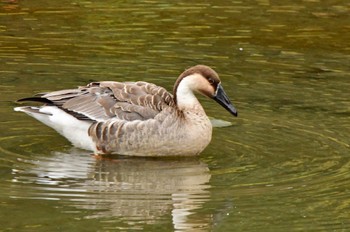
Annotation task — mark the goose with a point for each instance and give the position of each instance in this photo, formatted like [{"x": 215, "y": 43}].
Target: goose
[{"x": 134, "y": 118}]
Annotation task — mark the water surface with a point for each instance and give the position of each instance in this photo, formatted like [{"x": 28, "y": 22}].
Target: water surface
[{"x": 282, "y": 165}]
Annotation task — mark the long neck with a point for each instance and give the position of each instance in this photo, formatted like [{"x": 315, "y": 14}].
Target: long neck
[{"x": 184, "y": 96}]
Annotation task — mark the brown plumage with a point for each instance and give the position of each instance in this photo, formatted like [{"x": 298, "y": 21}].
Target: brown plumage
[{"x": 134, "y": 118}]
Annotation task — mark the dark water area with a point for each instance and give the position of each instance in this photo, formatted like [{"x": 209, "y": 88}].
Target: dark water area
[{"x": 282, "y": 165}]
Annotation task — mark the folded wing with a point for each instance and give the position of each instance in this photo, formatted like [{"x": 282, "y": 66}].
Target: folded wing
[{"x": 101, "y": 101}]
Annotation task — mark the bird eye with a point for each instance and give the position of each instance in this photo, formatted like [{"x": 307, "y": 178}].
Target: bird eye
[{"x": 211, "y": 81}]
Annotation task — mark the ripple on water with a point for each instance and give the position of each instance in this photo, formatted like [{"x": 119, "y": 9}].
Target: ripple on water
[{"x": 281, "y": 166}]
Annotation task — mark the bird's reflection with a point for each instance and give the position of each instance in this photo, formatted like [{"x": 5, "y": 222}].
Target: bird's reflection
[{"x": 135, "y": 190}]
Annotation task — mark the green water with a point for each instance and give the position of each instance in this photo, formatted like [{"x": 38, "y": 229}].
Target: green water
[{"x": 282, "y": 166}]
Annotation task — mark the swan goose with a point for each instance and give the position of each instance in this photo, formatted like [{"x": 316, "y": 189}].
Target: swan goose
[{"x": 134, "y": 118}]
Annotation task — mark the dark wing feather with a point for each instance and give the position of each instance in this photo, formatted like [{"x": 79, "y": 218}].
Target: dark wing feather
[{"x": 101, "y": 101}]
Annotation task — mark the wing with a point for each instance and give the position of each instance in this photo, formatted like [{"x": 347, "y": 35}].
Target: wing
[{"x": 101, "y": 101}]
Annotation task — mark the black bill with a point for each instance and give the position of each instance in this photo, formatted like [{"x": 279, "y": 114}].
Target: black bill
[{"x": 222, "y": 99}]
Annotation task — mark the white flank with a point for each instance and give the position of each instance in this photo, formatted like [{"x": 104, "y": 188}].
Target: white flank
[{"x": 76, "y": 131}]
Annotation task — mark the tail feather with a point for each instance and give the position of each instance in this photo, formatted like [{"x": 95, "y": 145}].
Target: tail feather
[
  {"x": 30, "y": 110},
  {"x": 35, "y": 99}
]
